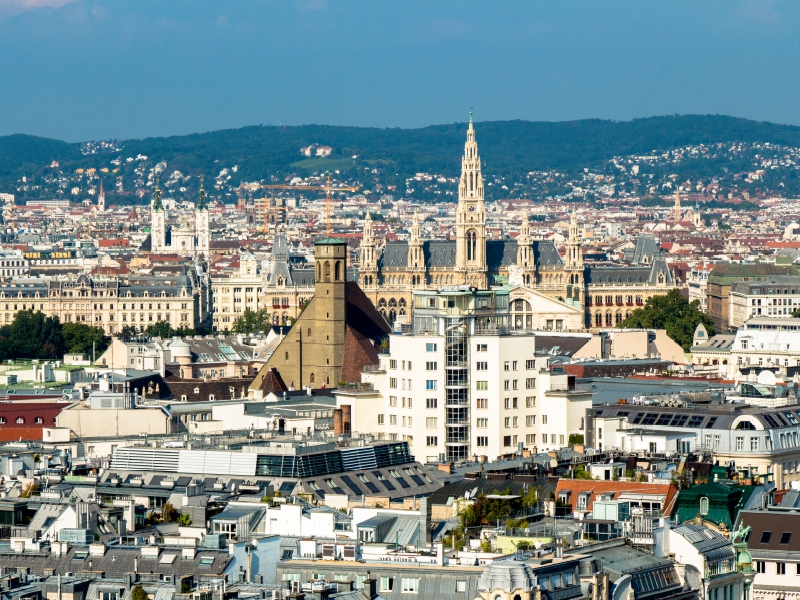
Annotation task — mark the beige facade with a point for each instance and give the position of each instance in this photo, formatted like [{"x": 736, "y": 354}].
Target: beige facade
[
  {"x": 110, "y": 303},
  {"x": 87, "y": 423}
]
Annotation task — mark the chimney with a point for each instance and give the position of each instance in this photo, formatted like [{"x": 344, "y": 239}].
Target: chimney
[
  {"x": 370, "y": 589},
  {"x": 338, "y": 427},
  {"x": 424, "y": 524}
]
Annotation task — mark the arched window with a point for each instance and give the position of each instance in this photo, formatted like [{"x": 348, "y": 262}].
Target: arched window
[
  {"x": 319, "y": 272},
  {"x": 472, "y": 244},
  {"x": 327, "y": 271},
  {"x": 287, "y": 356},
  {"x": 704, "y": 506},
  {"x": 337, "y": 268},
  {"x": 20, "y": 420},
  {"x": 38, "y": 420},
  {"x": 311, "y": 378},
  {"x": 308, "y": 333}
]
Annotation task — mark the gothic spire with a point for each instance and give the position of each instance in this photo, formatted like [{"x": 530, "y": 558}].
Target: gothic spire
[{"x": 415, "y": 229}]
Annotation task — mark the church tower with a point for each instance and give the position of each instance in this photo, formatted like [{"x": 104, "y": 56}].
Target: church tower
[
  {"x": 158, "y": 221},
  {"x": 471, "y": 217},
  {"x": 416, "y": 256},
  {"x": 101, "y": 199},
  {"x": 677, "y": 209},
  {"x": 574, "y": 259},
  {"x": 201, "y": 225},
  {"x": 368, "y": 269},
  {"x": 525, "y": 258}
]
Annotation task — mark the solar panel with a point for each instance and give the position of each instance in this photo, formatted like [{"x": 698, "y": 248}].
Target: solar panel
[
  {"x": 349, "y": 483},
  {"x": 417, "y": 479}
]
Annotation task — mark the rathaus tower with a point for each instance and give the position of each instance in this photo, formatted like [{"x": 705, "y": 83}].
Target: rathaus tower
[{"x": 471, "y": 217}]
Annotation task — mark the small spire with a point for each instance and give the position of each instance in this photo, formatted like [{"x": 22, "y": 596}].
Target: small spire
[
  {"x": 202, "y": 204},
  {"x": 470, "y": 115},
  {"x": 157, "y": 197}
]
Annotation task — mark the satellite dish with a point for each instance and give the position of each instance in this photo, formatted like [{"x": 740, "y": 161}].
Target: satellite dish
[
  {"x": 473, "y": 493},
  {"x": 537, "y": 544}
]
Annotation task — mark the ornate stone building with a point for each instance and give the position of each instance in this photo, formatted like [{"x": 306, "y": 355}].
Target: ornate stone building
[
  {"x": 188, "y": 238},
  {"x": 570, "y": 293},
  {"x": 112, "y": 304}
]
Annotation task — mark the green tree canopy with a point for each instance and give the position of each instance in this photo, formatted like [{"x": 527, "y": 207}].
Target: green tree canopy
[
  {"x": 33, "y": 335},
  {"x": 251, "y": 321},
  {"x": 138, "y": 593},
  {"x": 164, "y": 329},
  {"x": 78, "y": 337},
  {"x": 673, "y": 313}
]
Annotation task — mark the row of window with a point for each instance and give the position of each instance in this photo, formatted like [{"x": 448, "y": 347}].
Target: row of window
[
  {"x": 21, "y": 420},
  {"x": 780, "y": 568}
]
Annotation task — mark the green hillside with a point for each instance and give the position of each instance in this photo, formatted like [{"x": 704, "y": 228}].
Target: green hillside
[{"x": 508, "y": 148}]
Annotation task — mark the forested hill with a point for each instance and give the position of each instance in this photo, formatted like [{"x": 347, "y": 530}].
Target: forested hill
[{"x": 508, "y": 148}]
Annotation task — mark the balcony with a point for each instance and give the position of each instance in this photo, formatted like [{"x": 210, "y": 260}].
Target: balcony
[{"x": 457, "y": 421}]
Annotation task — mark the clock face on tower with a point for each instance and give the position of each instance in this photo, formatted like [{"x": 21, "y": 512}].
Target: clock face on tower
[{"x": 471, "y": 208}]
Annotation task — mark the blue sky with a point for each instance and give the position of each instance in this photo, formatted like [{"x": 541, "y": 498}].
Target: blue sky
[{"x": 102, "y": 69}]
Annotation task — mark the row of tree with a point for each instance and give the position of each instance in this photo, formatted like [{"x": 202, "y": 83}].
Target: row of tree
[{"x": 32, "y": 334}]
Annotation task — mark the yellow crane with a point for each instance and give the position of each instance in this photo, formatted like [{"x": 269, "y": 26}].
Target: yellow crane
[{"x": 327, "y": 188}]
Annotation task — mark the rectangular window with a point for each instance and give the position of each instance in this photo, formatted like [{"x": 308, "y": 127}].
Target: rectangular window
[
  {"x": 430, "y": 422},
  {"x": 761, "y": 566},
  {"x": 481, "y": 366},
  {"x": 392, "y": 400},
  {"x": 481, "y": 385},
  {"x": 482, "y": 403},
  {"x": 530, "y": 364},
  {"x": 461, "y": 585},
  {"x": 530, "y": 402},
  {"x": 430, "y": 366},
  {"x": 530, "y": 383},
  {"x": 530, "y": 420},
  {"x": 430, "y": 384},
  {"x": 514, "y": 365},
  {"x": 387, "y": 584},
  {"x": 431, "y": 402},
  {"x": 780, "y": 568},
  {"x": 530, "y": 438},
  {"x": 381, "y": 419},
  {"x": 409, "y": 585},
  {"x": 481, "y": 348},
  {"x": 740, "y": 443},
  {"x": 392, "y": 364},
  {"x": 544, "y": 419},
  {"x": 508, "y": 422},
  {"x": 483, "y": 441},
  {"x": 507, "y": 384},
  {"x": 482, "y": 423},
  {"x": 508, "y": 403},
  {"x": 753, "y": 444},
  {"x": 393, "y": 382},
  {"x": 507, "y": 366},
  {"x": 515, "y": 384},
  {"x": 430, "y": 347},
  {"x": 515, "y": 422},
  {"x": 561, "y": 439},
  {"x": 506, "y": 440},
  {"x": 392, "y": 419},
  {"x": 432, "y": 440}
]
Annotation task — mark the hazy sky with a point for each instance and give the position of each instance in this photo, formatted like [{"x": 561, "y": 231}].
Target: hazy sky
[{"x": 107, "y": 69}]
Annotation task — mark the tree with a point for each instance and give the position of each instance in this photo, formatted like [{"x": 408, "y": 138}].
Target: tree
[
  {"x": 251, "y": 321},
  {"x": 671, "y": 312},
  {"x": 185, "y": 520},
  {"x": 168, "y": 513},
  {"x": 33, "y": 335},
  {"x": 78, "y": 337},
  {"x": 164, "y": 329},
  {"x": 138, "y": 593}
]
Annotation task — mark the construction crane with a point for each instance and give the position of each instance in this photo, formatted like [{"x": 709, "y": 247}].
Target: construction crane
[{"x": 327, "y": 188}]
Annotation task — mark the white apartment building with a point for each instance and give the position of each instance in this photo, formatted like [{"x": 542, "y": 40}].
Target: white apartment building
[
  {"x": 697, "y": 282},
  {"x": 459, "y": 383},
  {"x": 776, "y": 296},
  {"x": 766, "y": 342}
]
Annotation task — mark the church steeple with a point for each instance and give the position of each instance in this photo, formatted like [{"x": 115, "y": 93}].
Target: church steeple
[
  {"x": 368, "y": 269},
  {"x": 471, "y": 216},
  {"x": 416, "y": 256},
  {"x": 574, "y": 254},
  {"x": 157, "y": 205},
  {"x": 202, "y": 203},
  {"x": 524, "y": 253}
]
